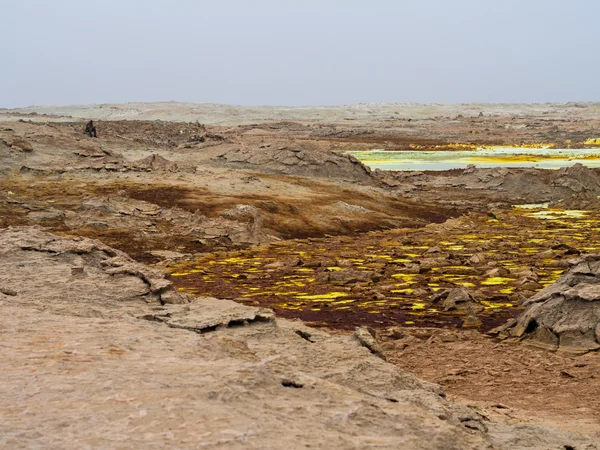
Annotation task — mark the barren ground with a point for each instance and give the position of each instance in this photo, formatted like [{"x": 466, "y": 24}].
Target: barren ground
[{"x": 260, "y": 206}]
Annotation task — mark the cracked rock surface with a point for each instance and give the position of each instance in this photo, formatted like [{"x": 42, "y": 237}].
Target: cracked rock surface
[{"x": 93, "y": 355}]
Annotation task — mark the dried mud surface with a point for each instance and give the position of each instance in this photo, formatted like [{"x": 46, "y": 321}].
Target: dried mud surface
[{"x": 261, "y": 207}]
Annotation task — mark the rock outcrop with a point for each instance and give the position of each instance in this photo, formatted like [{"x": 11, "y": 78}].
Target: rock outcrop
[
  {"x": 298, "y": 160},
  {"x": 566, "y": 314}
]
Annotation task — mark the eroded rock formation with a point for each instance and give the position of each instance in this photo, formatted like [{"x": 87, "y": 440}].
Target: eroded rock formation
[{"x": 566, "y": 314}]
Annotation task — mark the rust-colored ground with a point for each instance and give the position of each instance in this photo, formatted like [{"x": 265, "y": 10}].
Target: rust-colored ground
[{"x": 504, "y": 379}]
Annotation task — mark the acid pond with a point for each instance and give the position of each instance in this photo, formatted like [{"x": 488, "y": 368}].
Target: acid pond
[
  {"x": 394, "y": 274},
  {"x": 542, "y": 158}
]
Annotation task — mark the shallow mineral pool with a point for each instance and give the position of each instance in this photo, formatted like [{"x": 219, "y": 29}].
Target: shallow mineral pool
[{"x": 543, "y": 158}]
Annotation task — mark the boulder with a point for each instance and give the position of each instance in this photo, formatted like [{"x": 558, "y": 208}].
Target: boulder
[{"x": 564, "y": 315}]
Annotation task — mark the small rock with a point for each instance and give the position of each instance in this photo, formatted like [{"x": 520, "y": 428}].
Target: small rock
[
  {"x": 8, "y": 291},
  {"x": 171, "y": 296},
  {"x": 77, "y": 271},
  {"x": 477, "y": 258},
  {"x": 21, "y": 145},
  {"x": 548, "y": 254},
  {"x": 472, "y": 321},
  {"x": 366, "y": 339},
  {"x": 497, "y": 272},
  {"x": 528, "y": 284}
]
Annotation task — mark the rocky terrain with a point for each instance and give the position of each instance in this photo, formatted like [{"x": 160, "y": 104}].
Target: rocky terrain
[
  {"x": 124, "y": 360},
  {"x": 154, "y": 279}
]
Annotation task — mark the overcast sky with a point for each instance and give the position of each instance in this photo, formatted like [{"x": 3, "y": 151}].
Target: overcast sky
[{"x": 302, "y": 52}]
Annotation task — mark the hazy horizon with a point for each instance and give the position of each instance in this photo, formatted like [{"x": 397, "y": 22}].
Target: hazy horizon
[
  {"x": 67, "y": 105},
  {"x": 266, "y": 53}
]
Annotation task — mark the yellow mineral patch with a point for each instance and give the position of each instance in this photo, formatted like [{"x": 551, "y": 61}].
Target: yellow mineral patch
[
  {"x": 494, "y": 305},
  {"x": 257, "y": 294},
  {"x": 406, "y": 276},
  {"x": 343, "y": 302},
  {"x": 327, "y": 296},
  {"x": 512, "y": 243},
  {"x": 492, "y": 281},
  {"x": 592, "y": 141}
]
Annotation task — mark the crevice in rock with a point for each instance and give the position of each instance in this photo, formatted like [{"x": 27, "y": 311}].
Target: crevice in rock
[
  {"x": 305, "y": 335},
  {"x": 292, "y": 384},
  {"x": 531, "y": 326}
]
